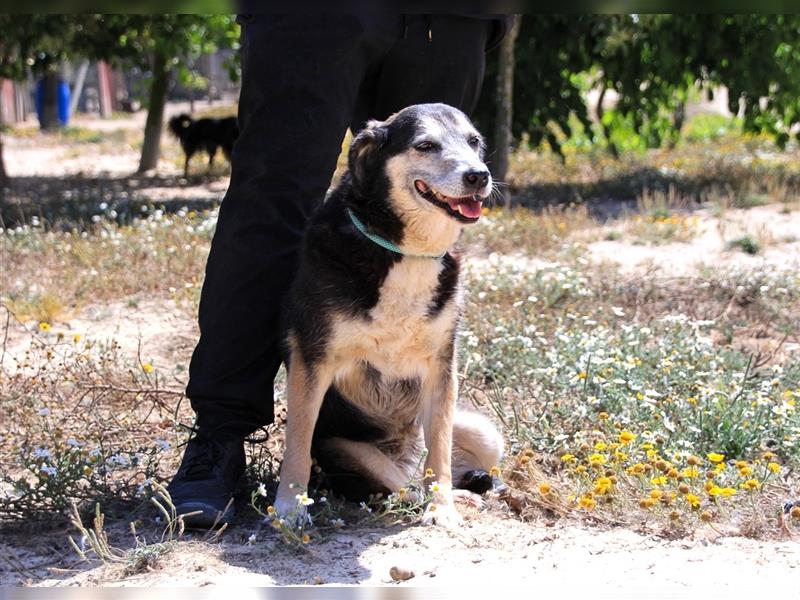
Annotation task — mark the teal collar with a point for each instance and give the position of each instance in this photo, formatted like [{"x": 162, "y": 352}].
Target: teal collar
[{"x": 384, "y": 243}]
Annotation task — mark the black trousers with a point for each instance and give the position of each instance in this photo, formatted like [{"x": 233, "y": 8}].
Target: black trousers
[{"x": 306, "y": 79}]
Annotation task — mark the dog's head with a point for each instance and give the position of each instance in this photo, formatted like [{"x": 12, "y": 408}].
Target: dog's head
[
  {"x": 425, "y": 164},
  {"x": 178, "y": 124}
]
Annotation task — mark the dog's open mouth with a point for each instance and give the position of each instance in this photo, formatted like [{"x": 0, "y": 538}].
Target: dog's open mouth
[{"x": 463, "y": 208}]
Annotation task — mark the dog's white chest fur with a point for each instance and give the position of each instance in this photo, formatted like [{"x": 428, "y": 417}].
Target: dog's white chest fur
[{"x": 401, "y": 339}]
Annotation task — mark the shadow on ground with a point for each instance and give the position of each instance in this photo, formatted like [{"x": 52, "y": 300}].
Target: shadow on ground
[{"x": 71, "y": 202}]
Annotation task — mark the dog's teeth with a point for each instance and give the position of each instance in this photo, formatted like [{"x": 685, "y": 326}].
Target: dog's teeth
[{"x": 460, "y": 208}]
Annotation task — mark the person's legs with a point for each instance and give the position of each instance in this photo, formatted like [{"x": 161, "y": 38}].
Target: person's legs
[
  {"x": 438, "y": 58},
  {"x": 301, "y": 80},
  {"x": 301, "y": 76}
]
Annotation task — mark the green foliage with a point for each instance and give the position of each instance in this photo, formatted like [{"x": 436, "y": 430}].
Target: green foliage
[{"x": 652, "y": 65}]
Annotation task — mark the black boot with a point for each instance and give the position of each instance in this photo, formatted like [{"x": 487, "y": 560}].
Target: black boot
[{"x": 211, "y": 468}]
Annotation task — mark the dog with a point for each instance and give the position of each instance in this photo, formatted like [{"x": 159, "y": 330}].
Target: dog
[
  {"x": 204, "y": 135},
  {"x": 371, "y": 320}
]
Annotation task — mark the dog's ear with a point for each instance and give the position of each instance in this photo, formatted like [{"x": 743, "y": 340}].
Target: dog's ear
[{"x": 364, "y": 150}]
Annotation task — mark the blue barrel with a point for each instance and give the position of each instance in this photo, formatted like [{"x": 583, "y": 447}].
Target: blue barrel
[{"x": 63, "y": 100}]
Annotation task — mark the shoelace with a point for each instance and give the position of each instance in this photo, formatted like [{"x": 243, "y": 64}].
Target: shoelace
[{"x": 201, "y": 465}]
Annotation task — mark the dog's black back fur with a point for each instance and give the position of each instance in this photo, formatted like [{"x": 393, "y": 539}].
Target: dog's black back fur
[{"x": 205, "y": 135}]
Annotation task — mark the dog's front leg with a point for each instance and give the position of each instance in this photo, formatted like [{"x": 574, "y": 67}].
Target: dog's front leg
[
  {"x": 305, "y": 390},
  {"x": 439, "y": 407}
]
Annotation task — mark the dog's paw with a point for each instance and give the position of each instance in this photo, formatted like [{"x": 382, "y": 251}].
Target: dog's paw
[
  {"x": 291, "y": 511},
  {"x": 443, "y": 515},
  {"x": 469, "y": 498}
]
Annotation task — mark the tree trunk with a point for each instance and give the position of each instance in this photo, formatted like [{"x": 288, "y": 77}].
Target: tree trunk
[
  {"x": 3, "y": 174},
  {"x": 151, "y": 148},
  {"x": 505, "y": 106},
  {"x": 678, "y": 118},
  {"x": 49, "y": 116}
]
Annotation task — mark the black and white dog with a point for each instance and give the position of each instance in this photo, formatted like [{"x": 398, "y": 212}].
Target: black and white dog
[
  {"x": 372, "y": 318},
  {"x": 204, "y": 135}
]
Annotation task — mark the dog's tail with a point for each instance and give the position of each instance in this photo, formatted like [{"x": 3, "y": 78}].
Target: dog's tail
[{"x": 177, "y": 125}]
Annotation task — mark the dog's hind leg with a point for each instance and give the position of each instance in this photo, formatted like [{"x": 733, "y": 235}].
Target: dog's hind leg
[
  {"x": 212, "y": 152},
  {"x": 379, "y": 472},
  {"x": 186, "y": 166},
  {"x": 477, "y": 447}
]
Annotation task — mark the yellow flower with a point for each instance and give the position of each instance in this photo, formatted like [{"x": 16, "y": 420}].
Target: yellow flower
[
  {"x": 774, "y": 467},
  {"x": 76, "y": 338},
  {"x": 690, "y": 472},
  {"x": 428, "y": 473},
  {"x": 580, "y": 469},
  {"x": 306, "y": 538},
  {"x": 44, "y": 326},
  {"x": 715, "y": 458},
  {"x": 602, "y": 486},
  {"x": 544, "y": 488},
  {"x": 626, "y": 437},
  {"x": 661, "y": 480},
  {"x": 646, "y": 446},
  {"x": 587, "y": 502},
  {"x": 147, "y": 367},
  {"x": 582, "y": 375},
  {"x": 724, "y": 492},
  {"x": 719, "y": 468},
  {"x": 647, "y": 502},
  {"x": 600, "y": 446},
  {"x": 694, "y": 501},
  {"x": 656, "y": 494},
  {"x": 270, "y": 510},
  {"x": 603, "y": 416},
  {"x": 598, "y": 459},
  {"x": 751, "y": 484},
  {"x": 435, "y": 487},
  {"x": 567, "y": 457},
  {"x": 746, "y": 471},
  {"x": 637, "y": 469},
  {"x": 494, "y": 471}
]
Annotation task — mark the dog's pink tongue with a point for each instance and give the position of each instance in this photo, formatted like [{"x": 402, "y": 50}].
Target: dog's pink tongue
[{"x": 468, "y": 207}]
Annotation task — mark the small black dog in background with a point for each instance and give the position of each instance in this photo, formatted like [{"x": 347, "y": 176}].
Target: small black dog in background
[{"x": 204, "y": 135}]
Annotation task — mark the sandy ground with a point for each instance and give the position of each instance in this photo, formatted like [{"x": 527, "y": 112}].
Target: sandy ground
[
  {"x": 778, "y": 231},
  {"x": 493, "y": 547},
  {"x": 489, "y": 550}
]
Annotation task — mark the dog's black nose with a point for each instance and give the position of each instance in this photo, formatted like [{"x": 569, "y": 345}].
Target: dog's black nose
[{"x": 476, "y": 179}]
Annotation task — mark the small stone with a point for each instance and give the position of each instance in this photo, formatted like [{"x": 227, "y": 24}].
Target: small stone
[{"x": 400, "y": 573}]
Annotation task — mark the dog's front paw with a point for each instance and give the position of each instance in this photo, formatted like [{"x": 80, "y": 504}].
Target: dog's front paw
[
  {"x": 442, "y": 514},
  {"x": 292, "y": 507}
]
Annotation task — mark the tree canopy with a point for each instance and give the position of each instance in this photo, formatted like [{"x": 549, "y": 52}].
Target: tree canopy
[{"x": 652, "y": 63}]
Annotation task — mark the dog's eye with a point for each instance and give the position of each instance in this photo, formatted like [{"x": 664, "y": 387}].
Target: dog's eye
[
  {"x": 425, "y": 146},
  {"x": 474, "y": 141}
]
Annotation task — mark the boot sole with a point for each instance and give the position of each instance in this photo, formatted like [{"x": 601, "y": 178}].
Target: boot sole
[{"x": 206, "y": 516}]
